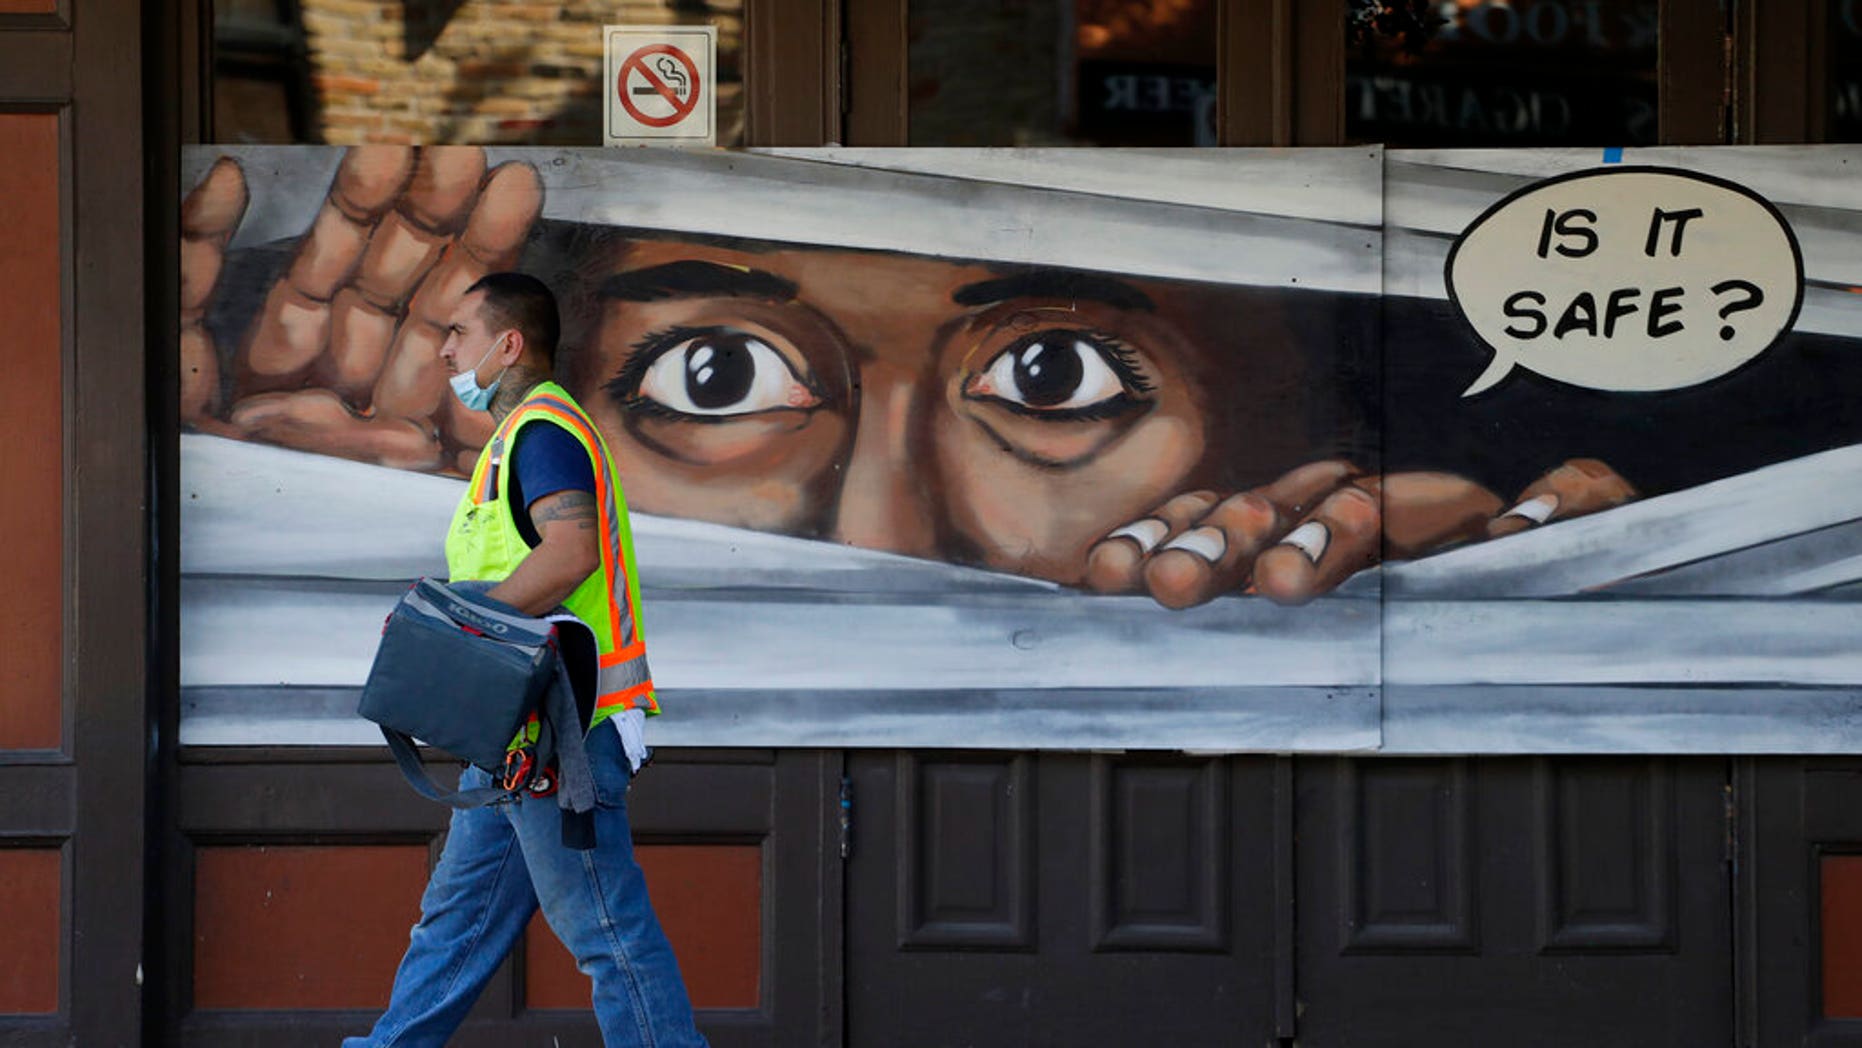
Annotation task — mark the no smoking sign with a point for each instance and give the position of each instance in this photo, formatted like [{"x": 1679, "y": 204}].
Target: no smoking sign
[{"x": 661, "y": 89}]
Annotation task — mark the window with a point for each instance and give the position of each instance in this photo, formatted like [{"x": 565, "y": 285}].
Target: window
[
  {"x": 1501, "y": 72},
  {"x": 438, "y": 71},
  {"x": 1062, "y": 72}
]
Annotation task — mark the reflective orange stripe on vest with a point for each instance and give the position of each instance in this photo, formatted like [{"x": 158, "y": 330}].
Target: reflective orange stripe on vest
[
  {"x": 622, "y": 674},
  {"x": 488, "y": 488},
  {"x": 611, "y": 564}
]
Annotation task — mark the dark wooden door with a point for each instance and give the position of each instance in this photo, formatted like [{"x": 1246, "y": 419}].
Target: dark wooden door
[
  {"x": 1061, "y": 899},
  {"x": 1548, "y": 901}
]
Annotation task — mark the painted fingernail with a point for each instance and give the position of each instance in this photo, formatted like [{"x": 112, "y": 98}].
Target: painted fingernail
[
  {"x": 1147, "y": 533},
  {"x": 1310, "y": 538},
  {"x": 1538, "y": 510},
  {"x": 1207, "y": 543}
]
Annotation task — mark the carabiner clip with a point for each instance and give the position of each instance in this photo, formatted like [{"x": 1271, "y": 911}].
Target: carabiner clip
[{"x": 517, "y": 765}]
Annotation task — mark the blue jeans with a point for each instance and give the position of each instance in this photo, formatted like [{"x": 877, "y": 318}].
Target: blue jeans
[{"x": 499, "y": 864}]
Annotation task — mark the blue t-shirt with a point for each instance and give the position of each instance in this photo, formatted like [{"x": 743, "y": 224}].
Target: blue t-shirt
[{"x": 545, "y": 461}]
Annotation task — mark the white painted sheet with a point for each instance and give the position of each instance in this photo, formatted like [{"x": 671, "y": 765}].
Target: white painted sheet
[
  {"x": 252, "y": 509},
  {"x": 1700, "y": 642},
  {"x": 1323, "y": 184},
  {"x": 1818, "y": 176},
  {"x": 1203, "y": 223},
  {"x": 1272, "y": 720},
  {"x": 1588, "y": 554},
  {"x": 284, "y": 584},
  {"x": 287, "y": 592},
  {"x": 257, "y": 632},
  {"x": 1428, "y": 720}
]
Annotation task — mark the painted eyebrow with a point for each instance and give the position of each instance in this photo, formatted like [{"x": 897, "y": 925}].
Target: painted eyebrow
[
  {"x": 1054, "y": 283},
  {"x": 694, "y": 278}
]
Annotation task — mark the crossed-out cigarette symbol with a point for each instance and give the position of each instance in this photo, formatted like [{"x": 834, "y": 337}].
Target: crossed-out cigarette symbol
[
  {"x": 670, "y": 73},
  {"x": 664, "y": 71}
]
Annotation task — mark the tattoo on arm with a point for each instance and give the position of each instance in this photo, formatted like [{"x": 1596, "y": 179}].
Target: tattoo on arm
[{"x": 578, "y": 506}]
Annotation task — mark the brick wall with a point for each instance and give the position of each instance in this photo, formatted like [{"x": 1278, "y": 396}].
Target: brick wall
[{"x": 487, "y": 71}]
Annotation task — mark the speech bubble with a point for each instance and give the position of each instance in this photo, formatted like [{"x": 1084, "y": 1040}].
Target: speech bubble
[{"x": 1626, "y": 279}]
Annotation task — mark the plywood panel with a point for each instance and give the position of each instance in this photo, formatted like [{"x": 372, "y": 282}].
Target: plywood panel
[
  {"x": 29, "y": 908},
  {"x": 302, "y": 927},
  {"x": 1842, "y": 936},
  {"x": 709, "y": 898},
  {"x": 31, "y": 425}
]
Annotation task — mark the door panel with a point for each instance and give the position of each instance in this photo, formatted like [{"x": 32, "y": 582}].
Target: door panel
[
  {"x": 32, "y": 407},
  {"x": 1159, "y": 866},
  {"x": 967, "y": 858},
  {"x": 35, "y": 774},
  {"x": 1406, "y": 858},
  {"x": 1060, "y": 899},
  {"x": 1562, "y": 901},
  {"x": 294, "y": 877}
]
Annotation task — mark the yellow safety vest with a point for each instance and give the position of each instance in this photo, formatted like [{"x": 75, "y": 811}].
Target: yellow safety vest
[{"x": 484, "y": 544}]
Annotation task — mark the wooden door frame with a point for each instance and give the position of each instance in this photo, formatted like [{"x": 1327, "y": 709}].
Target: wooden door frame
[
  {"x": 86, "y": 795},
  {"x": 1280, "y": 72},
  {"x": 876, "y": 102},
  {"x": 796, "y": 45},
  {"x": 1780, "y": 68},
  {"x": 1691, "y": 58}
]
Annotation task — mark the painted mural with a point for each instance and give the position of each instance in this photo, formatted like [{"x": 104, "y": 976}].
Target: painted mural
[{"x": 1228, "y": 450}]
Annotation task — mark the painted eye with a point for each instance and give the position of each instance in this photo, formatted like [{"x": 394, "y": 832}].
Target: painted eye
[
  {"x": 723, "y": 373},
  {"x": 1060, "y": 372}
]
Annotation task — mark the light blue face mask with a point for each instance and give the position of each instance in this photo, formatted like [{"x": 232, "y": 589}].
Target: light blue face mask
[{"x": 465, "y": 384}]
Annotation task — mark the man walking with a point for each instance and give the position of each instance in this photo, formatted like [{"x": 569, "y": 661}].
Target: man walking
[{"x": 544, "y": 519}]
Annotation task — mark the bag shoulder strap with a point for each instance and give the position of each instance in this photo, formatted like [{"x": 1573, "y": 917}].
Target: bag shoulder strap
[{"x": 416, "y": 775}]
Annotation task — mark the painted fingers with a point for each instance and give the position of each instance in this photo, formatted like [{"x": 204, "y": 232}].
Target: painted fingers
[
  {"x": 318, "y": 420},
  {"x": 1338, "y": 540},
  {"x": 293, "y": 328},
  {"x": 1200, "y": 545},
  {"x": 401, "y": 252},
  {"x": 412, "y": 380},
  {"x": 359, "y": 314},
  {"x": 1318, "y": 525},
  {"x": 1574, "y": 489},
  {"x": 209, "y": 216}
]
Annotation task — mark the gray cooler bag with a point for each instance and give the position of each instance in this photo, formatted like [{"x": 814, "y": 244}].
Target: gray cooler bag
[{"x": 462, "y": 673}]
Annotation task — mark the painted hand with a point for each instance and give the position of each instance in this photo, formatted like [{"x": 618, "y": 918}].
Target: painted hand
[
  {"x": 1308, "y": 531},
  {"x": 343, "y": 358}
]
